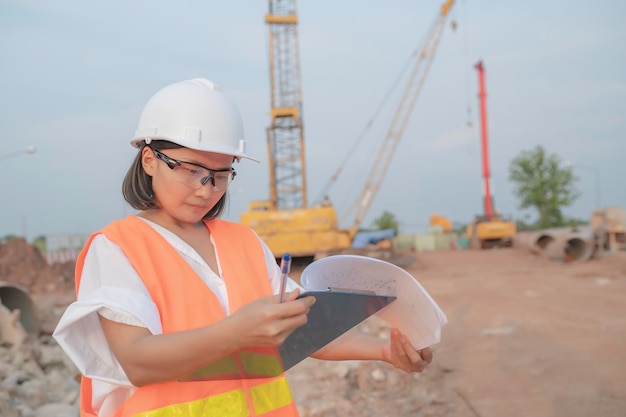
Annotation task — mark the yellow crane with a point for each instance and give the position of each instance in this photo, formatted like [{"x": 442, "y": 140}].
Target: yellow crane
[{"x": 286, "y": 222}]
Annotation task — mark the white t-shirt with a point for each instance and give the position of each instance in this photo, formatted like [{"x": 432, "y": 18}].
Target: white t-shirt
[{"x": 111, "y": 287}]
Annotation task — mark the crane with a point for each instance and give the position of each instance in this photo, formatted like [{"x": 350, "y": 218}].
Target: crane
[
  {"x": 285, "y": 135},
  {"x": 482, "y": 98},
  {"x": 401, "y": 117},
  {"x": 285, "y": 222},
  {"x": 490, "y": 229}
]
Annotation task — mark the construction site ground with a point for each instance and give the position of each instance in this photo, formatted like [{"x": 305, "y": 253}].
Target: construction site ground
[{"x": 527, "y": 336}]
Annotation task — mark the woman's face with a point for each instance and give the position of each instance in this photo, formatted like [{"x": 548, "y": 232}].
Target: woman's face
[{"x": 186, "y": 202}]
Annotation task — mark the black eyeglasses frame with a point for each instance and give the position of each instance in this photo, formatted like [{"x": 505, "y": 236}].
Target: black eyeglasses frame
[{"x": 173, "y": 163}]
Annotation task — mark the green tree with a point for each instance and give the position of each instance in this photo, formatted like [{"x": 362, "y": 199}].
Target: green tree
[
  {"x": 386, "y": 221},
  {"x": 543, "y": 183},
  {"x": 8, "y": 238},
  {"x": 40, "y": 243}
]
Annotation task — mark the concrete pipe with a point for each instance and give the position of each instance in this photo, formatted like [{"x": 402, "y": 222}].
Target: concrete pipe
[
  {"x": 571, "y": 246},
  {"x": 534, "y": 241},
  {"x": 543, "y": 240},
  {"x": 13, "y": 297}
]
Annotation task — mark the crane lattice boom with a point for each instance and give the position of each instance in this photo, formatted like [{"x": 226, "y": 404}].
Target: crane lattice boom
[
  {"x": 285, "y": 136},
  {"x": 401, "y": 116}
]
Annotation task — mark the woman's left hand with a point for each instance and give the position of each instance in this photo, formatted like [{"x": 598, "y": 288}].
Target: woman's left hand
[{"x": 400, "y": 353}]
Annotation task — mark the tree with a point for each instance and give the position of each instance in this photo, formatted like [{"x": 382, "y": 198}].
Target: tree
[
  {"x": 386, "y": 221},
  {"x": 543, "y": 183},
  {"x": 40, "y": 243},
  {"x": 8, "y": 238}
]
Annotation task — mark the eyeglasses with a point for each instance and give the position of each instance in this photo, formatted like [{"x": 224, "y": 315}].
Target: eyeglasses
[{"x": 195, "y": 175}]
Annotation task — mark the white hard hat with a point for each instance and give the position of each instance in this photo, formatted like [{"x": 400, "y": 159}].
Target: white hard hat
[{"x": 194, "y": 114}]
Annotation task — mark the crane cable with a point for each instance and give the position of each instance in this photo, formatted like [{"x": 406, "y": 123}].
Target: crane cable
[
  {"x": 331, "y": 181},
  {"x": 468, "y": 122}
]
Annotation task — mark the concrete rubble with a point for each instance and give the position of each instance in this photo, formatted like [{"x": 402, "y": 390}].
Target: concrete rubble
[
  {"x": 37, "y": 380},
  {"x": 36, "y": 377}
]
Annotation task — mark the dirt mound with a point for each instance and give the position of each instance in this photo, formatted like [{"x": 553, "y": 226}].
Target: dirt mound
[{"x": 21, "y": 263}]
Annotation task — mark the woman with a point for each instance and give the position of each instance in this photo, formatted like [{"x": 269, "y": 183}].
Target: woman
[{"x": 174, "y": 289}]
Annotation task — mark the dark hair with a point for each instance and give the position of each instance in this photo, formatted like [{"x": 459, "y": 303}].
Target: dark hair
[{"x": 137, "y": 185}]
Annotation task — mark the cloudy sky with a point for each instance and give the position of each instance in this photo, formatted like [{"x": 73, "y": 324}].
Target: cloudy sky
[{"x": 75, "y": 75}]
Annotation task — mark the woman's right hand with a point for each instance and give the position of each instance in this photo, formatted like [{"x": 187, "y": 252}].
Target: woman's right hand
[{"x": 268, "y": 322}]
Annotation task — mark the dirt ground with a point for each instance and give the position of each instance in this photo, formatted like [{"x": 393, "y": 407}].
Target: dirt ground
[{"x": 527, "y": 336}]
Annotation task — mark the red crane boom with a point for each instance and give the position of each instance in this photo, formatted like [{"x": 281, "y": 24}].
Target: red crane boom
[{"x": 482, "y": 96}]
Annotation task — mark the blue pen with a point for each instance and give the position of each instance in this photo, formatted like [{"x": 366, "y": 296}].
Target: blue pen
[{"x": 285, "y": 266}]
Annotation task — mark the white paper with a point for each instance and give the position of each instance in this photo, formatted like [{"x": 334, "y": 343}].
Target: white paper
[{"x": 414, "y": 311}]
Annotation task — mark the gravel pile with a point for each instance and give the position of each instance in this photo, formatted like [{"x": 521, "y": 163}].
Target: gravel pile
[{"x": 37, "y": 380}]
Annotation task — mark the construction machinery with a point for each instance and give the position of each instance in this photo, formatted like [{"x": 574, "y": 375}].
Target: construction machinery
[
  {"x": 441, "y": 222},
  {"x": 609, "y": 228},
  {"x": 489, "y": 229},
  {"x": 286, "y": 222}
]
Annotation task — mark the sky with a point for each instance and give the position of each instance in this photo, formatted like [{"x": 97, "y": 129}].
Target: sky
[{"x": 74, "y": 77}]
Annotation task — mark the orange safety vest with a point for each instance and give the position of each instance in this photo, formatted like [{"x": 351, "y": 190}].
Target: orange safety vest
[{"x": 239, "y": 385}]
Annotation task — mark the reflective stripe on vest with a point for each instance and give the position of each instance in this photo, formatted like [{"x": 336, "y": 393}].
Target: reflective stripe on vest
[
  {"x": 228, "y": 404},
  {"x": 265, "y": 398},
  {"x": 253, "y": 364},
  {"x": 260, "y": 364}
]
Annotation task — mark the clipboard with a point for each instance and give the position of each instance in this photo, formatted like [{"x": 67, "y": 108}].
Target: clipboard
[{"x": 334, "y": 313}]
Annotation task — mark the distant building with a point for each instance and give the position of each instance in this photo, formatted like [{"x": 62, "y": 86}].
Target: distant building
[
  {"x": 62, "y": 248},
  {"x": 68, "y": 241}
]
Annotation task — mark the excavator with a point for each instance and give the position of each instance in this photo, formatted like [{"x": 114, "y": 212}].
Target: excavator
[
  {"x": 286, "y": 222},
  {"x": 488, "y": 230}
]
